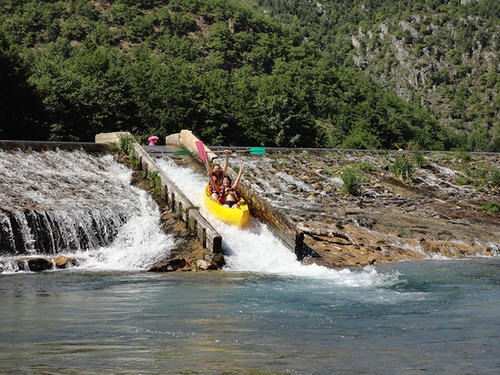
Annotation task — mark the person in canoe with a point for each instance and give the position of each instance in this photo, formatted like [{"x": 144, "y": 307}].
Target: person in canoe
[
  {"x": 228, "y": 195},
  {"x": 216, "y": 174}
]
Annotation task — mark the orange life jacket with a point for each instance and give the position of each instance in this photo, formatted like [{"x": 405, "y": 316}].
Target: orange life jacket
[{"x": 211, "y": 186}]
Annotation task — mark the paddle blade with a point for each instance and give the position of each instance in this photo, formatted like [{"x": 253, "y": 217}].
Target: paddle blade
[
  {"x": 201, "y": 150},
  {"x": 182, "y": 152},
  {"x": 257, "y": 151}
]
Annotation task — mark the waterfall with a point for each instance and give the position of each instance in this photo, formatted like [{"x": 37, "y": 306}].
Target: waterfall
[
  {"x": 59, "y": 201},
  {"x": 30, "y": 232},
  {"x": 77, "y": 204}
]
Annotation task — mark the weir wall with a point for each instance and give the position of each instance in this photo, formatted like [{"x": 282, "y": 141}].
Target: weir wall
[
  {"x": 42, "y": 146},
  {"x": 178, "y": 202}
]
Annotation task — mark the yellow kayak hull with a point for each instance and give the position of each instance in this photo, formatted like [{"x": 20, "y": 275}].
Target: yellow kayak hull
[{"x": 235, "y": 216}]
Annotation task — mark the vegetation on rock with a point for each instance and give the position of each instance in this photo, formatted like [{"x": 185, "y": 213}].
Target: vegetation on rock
[{"x": 441, "y": 56}]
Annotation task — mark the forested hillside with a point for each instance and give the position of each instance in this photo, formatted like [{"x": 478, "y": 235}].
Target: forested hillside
[
  {"x": 234, "y": 72},
  {"x": 442, "y": 55}
]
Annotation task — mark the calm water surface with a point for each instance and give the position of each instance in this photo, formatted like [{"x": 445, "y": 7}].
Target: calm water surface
[{"x": 411, "y": 318}]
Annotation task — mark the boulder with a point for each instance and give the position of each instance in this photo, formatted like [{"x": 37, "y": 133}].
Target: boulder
[
  {"x": 61, "y": 261},
  {"x": 205, "y": 265},
  {"x": 39, "y": 264},
  {"x": 168, "y": 265}
]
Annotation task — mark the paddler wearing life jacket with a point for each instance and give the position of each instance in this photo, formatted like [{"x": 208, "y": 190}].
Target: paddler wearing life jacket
[
  {"x": 228, "y": 195},
  {"x": 216, "y": 173}
]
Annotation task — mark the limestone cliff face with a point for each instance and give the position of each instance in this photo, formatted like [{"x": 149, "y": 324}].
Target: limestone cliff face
[{"x": 448, "y": 66}]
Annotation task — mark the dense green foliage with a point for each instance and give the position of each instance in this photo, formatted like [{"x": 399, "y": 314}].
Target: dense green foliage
[
  {"x": 441, "y": 55},
  {"x": 227, "y": 72},
  {"x": 352, "y": 182}
]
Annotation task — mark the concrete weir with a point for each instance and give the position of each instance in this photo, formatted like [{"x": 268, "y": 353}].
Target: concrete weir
[
  {"x": 42, "y": 146},
  {"x": 195, "y": 222},
  {"x": 177, "y": 202}
]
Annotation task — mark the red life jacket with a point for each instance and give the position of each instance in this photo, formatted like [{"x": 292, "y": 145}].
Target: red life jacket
[
  {"x": 211, "y": 186},
  {"x": 224, "y": 192}
]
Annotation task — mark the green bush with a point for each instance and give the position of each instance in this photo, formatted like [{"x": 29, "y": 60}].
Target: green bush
[
  {"x": 125, "y": 144},
  {"x": 419, "y": 159},
  {"x": 463, "y": 181},
  {"x": 403, "y": 168},
  {"x": 495, "y": 177},
  {"x": 492, "y": 207},
  {"x": 464, "y": 156},
  {"x": 154, "y": 181},
  {"x": 352, "y": 182}
]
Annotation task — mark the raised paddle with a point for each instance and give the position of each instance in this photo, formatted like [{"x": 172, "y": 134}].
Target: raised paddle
[
  {"x": 201, "y": 150},
  {"x": 253, "y": 150}
]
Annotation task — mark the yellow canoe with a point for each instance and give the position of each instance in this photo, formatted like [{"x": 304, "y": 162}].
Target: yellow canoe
[{"x": 235, "y": 216}]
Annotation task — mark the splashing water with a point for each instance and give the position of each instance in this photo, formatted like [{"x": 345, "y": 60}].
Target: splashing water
[
  {"x": 78, "y": 205},
  {"x": 256, "y": 249},
  {"x": 139, "y": 243}
]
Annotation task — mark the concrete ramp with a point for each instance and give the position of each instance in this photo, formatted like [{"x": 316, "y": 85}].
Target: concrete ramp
[{"x": 280, "y": 224}]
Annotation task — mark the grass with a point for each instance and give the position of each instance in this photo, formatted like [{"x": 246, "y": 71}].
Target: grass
[
  {"x": 403, "y": 168},
  {"x": 154, "y": 181},
  {"x": 492, "y": 208},
  {"x": 495, "y": 176},
  {"x": 331, "y": 171},
  {"x": 464, "y": 156},
  {"x": 419, "y": 159},
  {"x": 125, "y": 144},
  {"x": 465, "y": 181},
  {"x": 352, "y": 182},
  {"x": 365, "y": 167}
]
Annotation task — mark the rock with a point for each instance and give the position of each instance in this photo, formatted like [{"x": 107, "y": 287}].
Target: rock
[
  {"x": 329, "y": 188},
  {"x": 168, "y": 265},
  {"x": 205, "y": 265},
  {"x": 61, "y": 261},
  {"x": 39, "y": 264},
  {"x": 218, "y": 260}
]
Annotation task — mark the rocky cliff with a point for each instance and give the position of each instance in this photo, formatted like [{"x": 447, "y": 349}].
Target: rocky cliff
[{"x": 448, "y": 64}]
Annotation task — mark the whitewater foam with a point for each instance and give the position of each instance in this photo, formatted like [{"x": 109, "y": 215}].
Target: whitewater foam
[
  {"x": 83, "y": 194},
  {"x": 256, "y": 249}
]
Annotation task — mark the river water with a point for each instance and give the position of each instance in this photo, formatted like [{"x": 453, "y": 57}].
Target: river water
[
  {"x": 265, "y": 313},
  {"x": 412, "y": 318}
]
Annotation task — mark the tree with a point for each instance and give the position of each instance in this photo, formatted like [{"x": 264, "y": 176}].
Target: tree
[{"x": 21, "y": 112}]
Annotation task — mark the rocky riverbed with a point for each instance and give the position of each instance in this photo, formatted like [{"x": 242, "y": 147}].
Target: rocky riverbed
[{"x": 448, "y": 207}]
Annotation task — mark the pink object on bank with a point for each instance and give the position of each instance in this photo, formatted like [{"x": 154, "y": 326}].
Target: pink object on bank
[{"x": 152, "y": 140}]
